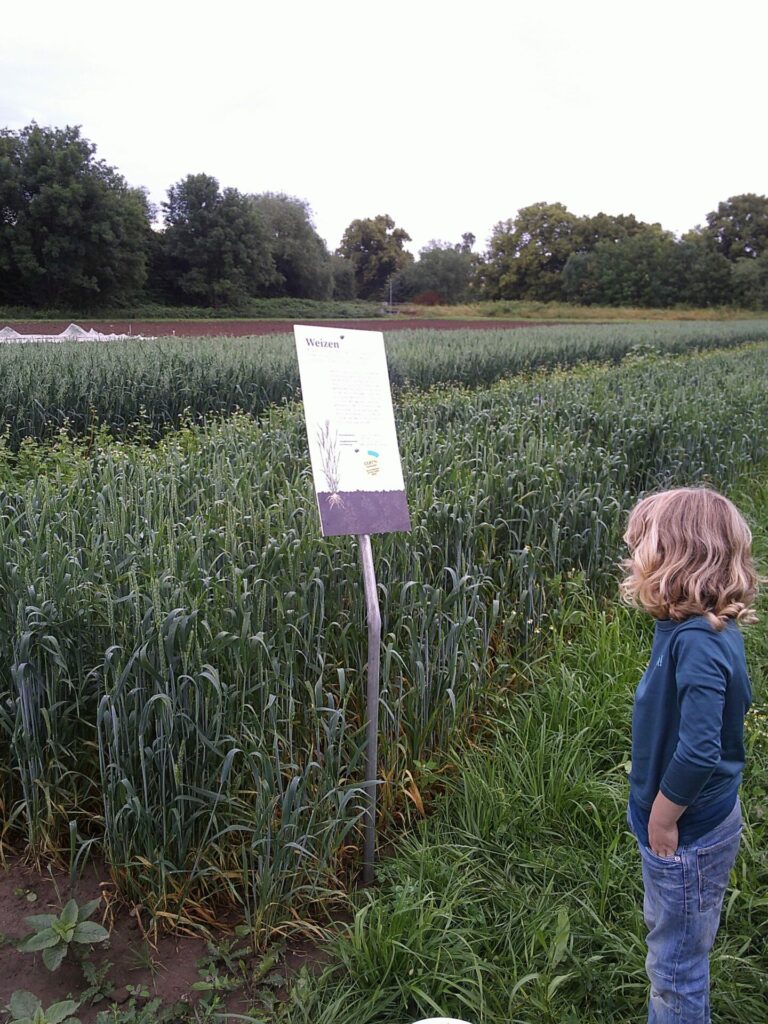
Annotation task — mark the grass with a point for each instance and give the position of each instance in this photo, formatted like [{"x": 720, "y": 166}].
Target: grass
[
  {"x": 271, "y": 309},
  {"x": 527, "y": 309},
  {"x": 519, "y": 900},
  {"x": 291, "y": 308}
]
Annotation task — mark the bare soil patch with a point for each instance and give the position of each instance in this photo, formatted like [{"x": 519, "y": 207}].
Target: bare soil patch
[
  {"x": 251, "y": 328},
  {"x": 164, "y": 967}
]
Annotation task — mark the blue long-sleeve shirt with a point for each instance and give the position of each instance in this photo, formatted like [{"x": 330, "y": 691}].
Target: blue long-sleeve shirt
[{"x": 688, "y": 725}]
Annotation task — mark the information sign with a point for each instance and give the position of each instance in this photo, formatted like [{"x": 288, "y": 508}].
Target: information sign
[{"x": 351, "y": 429}]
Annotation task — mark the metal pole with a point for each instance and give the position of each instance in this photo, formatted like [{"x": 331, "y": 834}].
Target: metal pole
[{"x": 372, "y": 725}]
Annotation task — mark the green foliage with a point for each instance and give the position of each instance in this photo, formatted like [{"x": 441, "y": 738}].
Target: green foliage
[
  {"x": 215, "y": 244},
  {"x": 54, "y": 935},
  {"x": 375, "y": 250},
  {"x": 344, "y": 284},
  {"x": 634, "y": 271},
  {"x": 605, "y": 227},
  {"x": 739, "y": 226},
  {"x": 138, "y": 387},
  {"x": 253, "y": 309},
  {"x": 649, "y": 268},
  {"x": 547, "y": 253},
  {"x": 526, "y": 255},
  {"x": 71, "y": 231},
  {"x": 302, "y": 263},
  {"x": 26, "y": 1008},
  {"x": 702, "y": 276},
  {"x": 520, "y": 899},
  {"x": 443, "y": 274},
  {"x": 98, "y": 986},
  {"x": 750, "y": 281},
  {"x": 141, "y": 1010},
  {"x": 181, "y": 651}
]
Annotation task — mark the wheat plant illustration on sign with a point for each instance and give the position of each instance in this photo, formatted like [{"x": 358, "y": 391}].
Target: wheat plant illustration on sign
[{"x": 328, "y": 442}]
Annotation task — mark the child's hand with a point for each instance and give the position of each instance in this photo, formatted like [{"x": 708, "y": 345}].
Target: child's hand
[{"x": 662, "y": 837}]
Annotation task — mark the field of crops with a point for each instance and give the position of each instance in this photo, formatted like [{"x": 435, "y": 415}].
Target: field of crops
[
  {"x": 180, "y": 654},
  {"x": 144, "y": 387}
]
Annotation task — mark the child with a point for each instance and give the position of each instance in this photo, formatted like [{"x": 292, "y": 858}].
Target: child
[{"x": 690, "y": 566}]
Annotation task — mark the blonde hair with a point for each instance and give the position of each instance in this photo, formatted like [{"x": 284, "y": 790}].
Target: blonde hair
[{"x": 690, "y": 554}]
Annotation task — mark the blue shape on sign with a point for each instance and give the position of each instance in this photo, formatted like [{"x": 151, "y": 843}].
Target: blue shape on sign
[{"x": 373, "y": 453}]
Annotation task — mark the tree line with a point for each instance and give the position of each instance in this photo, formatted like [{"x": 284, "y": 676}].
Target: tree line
[{"x": 73, "y": 233}]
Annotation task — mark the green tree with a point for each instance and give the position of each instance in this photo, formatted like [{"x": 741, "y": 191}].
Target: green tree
[
  {"x": 581, "y": 281},
  {"x": 217, "y": 249},
  {"x": 443, "y": 273},
  {"x": 72, "y": 232},
  {"x": 750, "y": 282},
  {"x": 637, "y": 270},
  {"x": 375, "y": 249},
  {"x": 302, "y": 262},
  {"x": 704, "y": 277},
  {"x": 739, "y": 226},
  {"x": 604, "y": 227},
  {"x": 527, "y": 254},
  {"x": 344, "y": 284}
]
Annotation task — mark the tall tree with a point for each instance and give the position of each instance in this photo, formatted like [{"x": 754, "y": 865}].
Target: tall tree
[
  {"x": 344, "y": 284},
  {"x": 375, "y": 248},
  {"x": 302, "y": 262},
  {"x": 703, "y": 275},
  {"x": 750, "y": 282},
  {"x": 638, "y": 270},
  {"x": 739, "y": 226},
  {"x": 527, "y": 254},
  {"x": 605, "y": 227},
  {"x": 442, "y": 273},
  {"x": 72, "y": 232},
  {"x": 217, "y": 248}
]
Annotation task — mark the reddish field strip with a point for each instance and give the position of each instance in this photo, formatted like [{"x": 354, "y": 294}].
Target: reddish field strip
[{"x": 243, "y": 328}]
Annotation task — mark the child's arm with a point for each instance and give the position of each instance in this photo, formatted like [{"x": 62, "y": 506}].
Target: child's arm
[
  {"x": 701, "y": 673},
  {"x": 662, "y": 826}
]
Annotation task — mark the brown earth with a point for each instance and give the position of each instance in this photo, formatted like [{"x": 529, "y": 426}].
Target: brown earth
[
  {"x": 166, "y": 965},
  {"x": 249, "y": 328}
]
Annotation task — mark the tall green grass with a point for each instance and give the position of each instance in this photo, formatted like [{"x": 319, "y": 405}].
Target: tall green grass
[
  {"x": 530, "y": 309},
  {"x": 181, "y": 655},
  {"x": 519, "y": 901},
  {"x": 145, "y": 387}
]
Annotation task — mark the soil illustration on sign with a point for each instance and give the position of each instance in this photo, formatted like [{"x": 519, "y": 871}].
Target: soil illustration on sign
[
  {"x": 328, "y": 442},
  {"x": 364, "y": 512}
]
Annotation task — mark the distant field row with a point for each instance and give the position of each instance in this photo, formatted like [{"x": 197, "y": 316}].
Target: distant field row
[
  {"x": 245, "y": 328},
  {"x": 146, "y": 387}
]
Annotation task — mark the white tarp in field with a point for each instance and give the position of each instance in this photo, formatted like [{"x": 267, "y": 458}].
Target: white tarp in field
[{"x": 72, "y": 333}]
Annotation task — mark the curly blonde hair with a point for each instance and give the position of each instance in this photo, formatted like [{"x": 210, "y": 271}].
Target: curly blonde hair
[{"x": 690, "y": 554}]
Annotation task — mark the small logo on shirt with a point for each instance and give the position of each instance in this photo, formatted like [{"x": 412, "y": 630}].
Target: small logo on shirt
[{"x": 660, "y": 661}]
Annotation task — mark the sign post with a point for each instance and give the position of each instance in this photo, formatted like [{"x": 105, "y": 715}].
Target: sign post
[
  {"x": 372, "y": 702},
  {"x": 358, "y": 478}
]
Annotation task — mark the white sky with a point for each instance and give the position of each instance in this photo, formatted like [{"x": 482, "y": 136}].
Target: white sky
[{"x": 447, "y": 115}]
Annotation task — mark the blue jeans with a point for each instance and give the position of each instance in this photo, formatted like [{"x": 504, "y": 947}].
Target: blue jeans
[{"x": 683, "y": 900}]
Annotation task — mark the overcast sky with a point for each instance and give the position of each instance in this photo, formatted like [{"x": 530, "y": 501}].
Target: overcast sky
[{"x": 447, "y": 115}]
